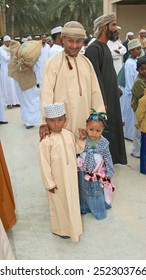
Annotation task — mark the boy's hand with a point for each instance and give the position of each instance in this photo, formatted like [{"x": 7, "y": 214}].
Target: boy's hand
[
  {"x": 43, "y": 131},
  {"x": 82, "y": 133},
  {"x": 53, "y": 190}
]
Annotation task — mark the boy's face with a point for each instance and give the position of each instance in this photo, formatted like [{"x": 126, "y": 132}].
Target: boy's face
[
  {"x": 56, "y": 124},
  {"x": 135, "y": 52},
  {"x": 142, "y": 70},
  {"x": 94, "y": 129}
]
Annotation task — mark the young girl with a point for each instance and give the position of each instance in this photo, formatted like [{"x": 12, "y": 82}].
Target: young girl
[{"x": 95, "y": 168}]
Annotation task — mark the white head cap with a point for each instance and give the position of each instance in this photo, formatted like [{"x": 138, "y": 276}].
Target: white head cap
[
  {"x": 129, "y": 34},
  {"x": 29, "y": 38},
  {"x": 7, "y": 38},
  {"x": 119, "y": 28},
  {"x": 54, "y": 110},
  {"x": 133, "y": 44},
  {"x": 23, "y": 40},
  {"x": 56, "y": 30}
]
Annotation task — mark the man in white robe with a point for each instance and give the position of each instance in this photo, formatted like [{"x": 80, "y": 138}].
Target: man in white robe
[
  {"x": 42, "y": 59},
  {"x": 69, "y": 77},
  {"x": 2, "y": 107},
  {"x": 30, "y": 103},
  {"x": 57, "y": 41},
  {"x": 7, "y": 83},
  {"x": 117, "y": 51},
  {"x": 131, "y": 73}
]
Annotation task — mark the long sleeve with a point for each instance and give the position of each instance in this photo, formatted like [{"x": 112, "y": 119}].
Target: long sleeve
[
  {"x": 49, "y": 81},
  {"x": 4, "y": 55},
  {"x": 130, "y": 75},
  {"x": 108, "y": 162},
  {"x": 45, "y": 165},
  {"x": 97, "y": 101},
  {"x": 94, "y": 54},
  {"x": 141, "y": 111}
]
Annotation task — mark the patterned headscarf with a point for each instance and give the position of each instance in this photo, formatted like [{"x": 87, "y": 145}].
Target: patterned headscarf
[
  {"x": 101, "y": 21},
  {"x": 74, "y": 29}
]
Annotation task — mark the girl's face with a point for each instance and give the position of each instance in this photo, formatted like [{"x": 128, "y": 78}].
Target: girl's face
[
  {"x": 142, "y": 70},
  {"x": 56, "y": 124},
  {"x": 94, "y": 129}
]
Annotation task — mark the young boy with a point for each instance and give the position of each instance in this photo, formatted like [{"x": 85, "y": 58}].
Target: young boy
[
  {"x": 59, "y": 173},
  {"x": 137, "y": 92},
  {"x": 141, "y": 118},
  {"x": 134, "y": 48}
]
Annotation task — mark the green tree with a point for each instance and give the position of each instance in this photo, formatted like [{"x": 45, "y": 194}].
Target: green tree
[
  {"x": 38, "y": 16},
  {"x": 84, "y": 11},
  {"x": 28, "y": 17}
]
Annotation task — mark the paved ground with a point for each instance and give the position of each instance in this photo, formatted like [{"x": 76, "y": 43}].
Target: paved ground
[{"x": 121, "y": 236}]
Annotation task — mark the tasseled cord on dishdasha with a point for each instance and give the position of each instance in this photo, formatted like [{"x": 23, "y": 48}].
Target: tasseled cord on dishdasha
[{"x": 69, "y": 64}]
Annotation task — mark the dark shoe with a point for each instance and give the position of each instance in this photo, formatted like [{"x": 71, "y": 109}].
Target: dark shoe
[
  {"x": 134, "y": 155},
  {"x": 9, "y": 106},
  {"x": 83, "y": 213},
  {"x": 62, "y": 236},
  {"x": 3, "y": 122},
  {"x": 29, "y": 126},
  {"x": 108, "y": 206},
  {"x": 17, "y": 105}
]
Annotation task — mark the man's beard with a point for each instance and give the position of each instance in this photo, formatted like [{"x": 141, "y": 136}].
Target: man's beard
[{"x": 110, "y": 35}]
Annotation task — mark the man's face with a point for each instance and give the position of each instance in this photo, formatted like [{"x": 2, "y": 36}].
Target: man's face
[
  {"x": 111, "y": 30},
  {"x": 131, "y": 37},
  {"x": 72, "y": 45},
  {"x": 7, "y": 44},
  {"x": 142, "y": 34},
  {"x": 43, "y": 38}
]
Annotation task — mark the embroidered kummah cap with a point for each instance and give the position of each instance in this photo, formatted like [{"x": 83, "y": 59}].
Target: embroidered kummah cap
[
  {"x": 54, "y": 110},
  {"x": 74, "y": 29},
  {"x": 7, "y": 38},
  {"x": 133, "y": 44},
  {"x": 55, "y": 30},
  {"x": 101, "y": 21},
  {"x": 49, "y": 38}
]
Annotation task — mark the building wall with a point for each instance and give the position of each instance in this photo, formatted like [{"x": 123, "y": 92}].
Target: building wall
[{"x": 129, "y": 17}]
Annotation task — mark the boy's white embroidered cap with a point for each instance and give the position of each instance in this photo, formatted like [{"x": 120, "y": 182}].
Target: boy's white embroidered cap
[
  {"x": 54, "y": 110},
  {"x": 133, "y": 44}
]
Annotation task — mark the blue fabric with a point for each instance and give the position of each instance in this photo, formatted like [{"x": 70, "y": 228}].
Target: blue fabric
[
  {"x": 101, "y": 148},
  {"x": 143, "y": 153},
  {"x": 91, "y": 197}
]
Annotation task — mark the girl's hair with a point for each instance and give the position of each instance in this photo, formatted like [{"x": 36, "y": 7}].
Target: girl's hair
[{"x": 94, "y": 116}]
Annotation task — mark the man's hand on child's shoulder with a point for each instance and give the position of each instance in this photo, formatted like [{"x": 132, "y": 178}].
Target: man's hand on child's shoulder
[{"x": 82, "y": 133}]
